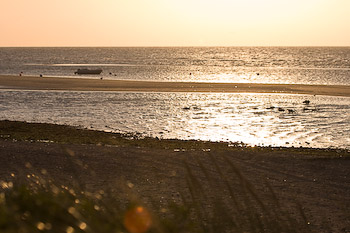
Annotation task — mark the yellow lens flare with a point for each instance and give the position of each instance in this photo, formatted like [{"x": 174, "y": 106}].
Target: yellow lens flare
[{"x": 137, "y": 220}]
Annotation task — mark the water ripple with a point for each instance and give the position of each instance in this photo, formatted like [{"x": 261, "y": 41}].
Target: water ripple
[{"x": 256, "y": 119}]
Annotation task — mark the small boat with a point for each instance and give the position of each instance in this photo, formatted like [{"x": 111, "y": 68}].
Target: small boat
[
  {"x": 88, "y": 71},
  {"x": 306, "y": 102}
]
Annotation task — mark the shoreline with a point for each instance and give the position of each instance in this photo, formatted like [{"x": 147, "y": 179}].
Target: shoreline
[
  {"x": 43, "y": 132},
  {"x": 85, "y": 84},
  {"x": 315, "y": 179}
]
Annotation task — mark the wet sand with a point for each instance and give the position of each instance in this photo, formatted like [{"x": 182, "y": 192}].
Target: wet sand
[{"x": 96, "y": 84}]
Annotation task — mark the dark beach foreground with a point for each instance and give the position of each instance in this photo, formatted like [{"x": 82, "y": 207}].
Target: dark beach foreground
[{"x": 310, "y": 184}]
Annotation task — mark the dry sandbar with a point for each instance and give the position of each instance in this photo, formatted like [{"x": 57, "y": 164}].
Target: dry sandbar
[{"x": 96, "y": 84}]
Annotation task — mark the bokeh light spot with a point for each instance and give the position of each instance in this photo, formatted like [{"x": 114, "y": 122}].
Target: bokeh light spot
[{"x": 137, "y": 220}]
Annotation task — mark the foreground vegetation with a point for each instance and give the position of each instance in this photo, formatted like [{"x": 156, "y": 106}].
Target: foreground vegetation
[{"x": 37, "y": 204}]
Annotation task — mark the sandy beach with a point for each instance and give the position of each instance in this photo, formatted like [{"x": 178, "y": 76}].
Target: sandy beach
[
  {"x": 95, "y": 84},
  {"x": 319, "y": 184},
  {"x": 316, "y": 179}
]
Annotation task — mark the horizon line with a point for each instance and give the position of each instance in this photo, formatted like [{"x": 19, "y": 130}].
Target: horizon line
[{"x": 171, "y": 46}]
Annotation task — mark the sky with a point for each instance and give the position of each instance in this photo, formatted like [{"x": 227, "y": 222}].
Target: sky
[{"x": 174, "y": 23}]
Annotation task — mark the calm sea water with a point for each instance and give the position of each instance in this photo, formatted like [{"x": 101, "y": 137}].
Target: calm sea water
[
  {"x": 324, "y": 65},
  {"x": 255, "y": 119}
]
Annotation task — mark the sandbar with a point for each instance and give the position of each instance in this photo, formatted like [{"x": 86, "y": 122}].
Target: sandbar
[{"x": 96, "y": 84}]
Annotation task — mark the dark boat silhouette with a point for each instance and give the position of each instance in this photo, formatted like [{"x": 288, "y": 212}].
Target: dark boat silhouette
[{"x": 88, "y": 71}]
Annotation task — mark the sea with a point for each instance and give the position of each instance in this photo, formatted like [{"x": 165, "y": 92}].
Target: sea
[{"x": 253, "y": 119}]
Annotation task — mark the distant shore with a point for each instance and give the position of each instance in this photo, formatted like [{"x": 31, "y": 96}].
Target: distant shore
[{"x": 84, "y": 84}]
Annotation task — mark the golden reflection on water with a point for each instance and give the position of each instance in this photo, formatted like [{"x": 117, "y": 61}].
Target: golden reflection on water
[{"x": 254, "y": 119}]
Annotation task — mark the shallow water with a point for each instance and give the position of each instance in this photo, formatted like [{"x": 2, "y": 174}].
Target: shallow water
[
  {"x": 255, "y": 119},
  {"x": 302, "y": 65}
]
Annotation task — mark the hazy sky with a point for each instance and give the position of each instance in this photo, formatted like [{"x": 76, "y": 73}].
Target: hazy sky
[{"x": 174, "y": 22}]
